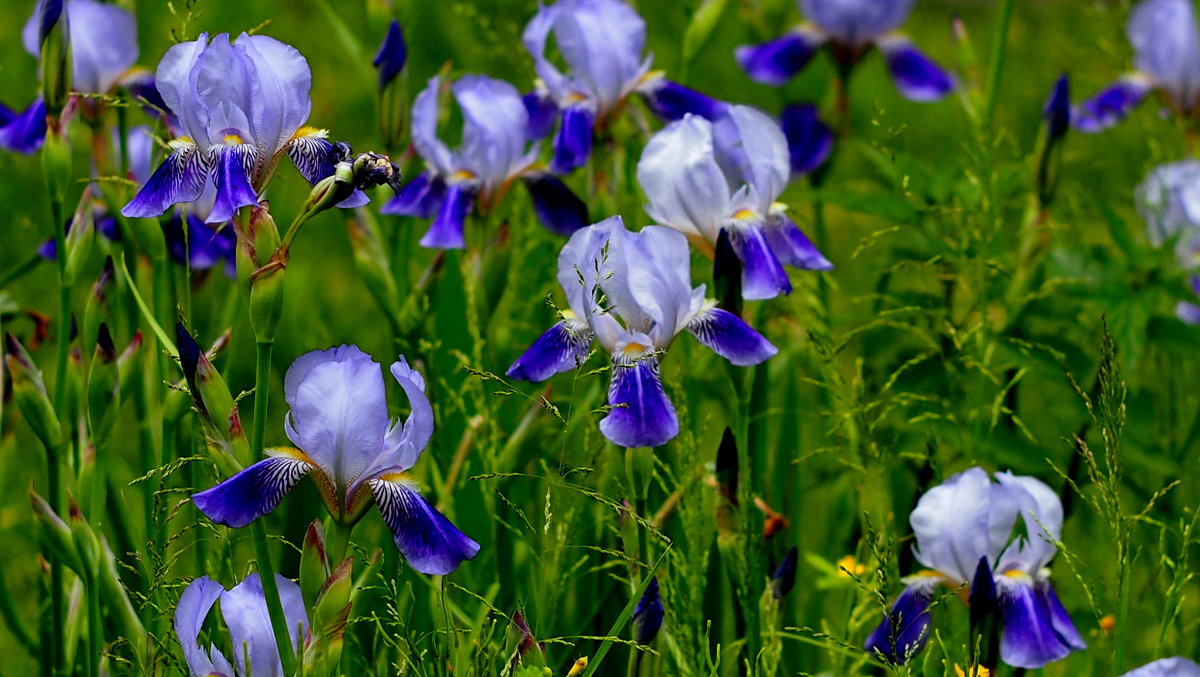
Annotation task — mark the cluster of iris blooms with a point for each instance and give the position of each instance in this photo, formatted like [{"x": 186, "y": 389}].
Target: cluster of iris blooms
[{"x": 712, "y": 175}]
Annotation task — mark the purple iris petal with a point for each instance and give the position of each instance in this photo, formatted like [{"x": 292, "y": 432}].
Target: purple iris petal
[
  {"x": 763, "y": 276},
  {"x": 1057, "y": 111},
  {"x": 1167, "y": 47},
  {"x": 670, "y": 101},
  {"x": 558, "y": 208},
  {"x": 856, "y": 22},
  {"x": 730, "y": 337},
  {"x": 429, "y": 542},
  {"x": 206, "y": 245},
  {"x": 792, "y": 246},
  {"x": 1030, "y": 639},
  {"x": 1110, "y": 105},
  {"x": 777, "y": 61},
  {"x": 641, "y": 414},
  {"x": 103, "y": 40},
  {"x": 542, "y": 111},
  {"x": 244, "y": 609},
  {"x": 648, "y": 614},
  {"x": 1063, "y": 625},
  {"x": 180, "y": 178},
  {"x": 563, "y": 347},
  {"x": 446, "y": 232},
  {"x": 191, "y": 611},
  {"x": 915, "y": 75},
  {"x": 234, "y": 190},
  {"x": 24, "y": 132},
  {"x": 392, "y": 55},
  {"x": 422, "y": 197},
  {"x": 253, "y": 492},
  {"x": 1188, "y": 313},
  {"x": 573, "y": 144},
  {"x": 809, "y": 140},
  {"x": 145, "y": 89},
  {"x": 1167, "y": 667},
  {"x": 905, "y": 629},
  {"x": 784, "y": 578}
]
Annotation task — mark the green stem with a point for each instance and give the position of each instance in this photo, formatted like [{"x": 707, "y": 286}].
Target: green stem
[
  {"x": 997, "y": 63},
  {"x": 95, "y": 623},
  {"x": 337, "y": 541},
  {"x": 53, "y": 471}
]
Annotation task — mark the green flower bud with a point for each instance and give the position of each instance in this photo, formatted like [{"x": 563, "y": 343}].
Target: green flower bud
[
  {"x": 330, "y": 615},
  {"x": 55, "y": 42},
  {"x": 56, "y": 164},
  {"x": 213, "y": 401},
  {"x": 261, "y": 263},
  {"x": 29, "y": 392},
  {"x": 56, "y": 536},
  {"x": 314, "y": 564},
  {"x": 98, "y": 310},
  {"x": 85, "y": 542},
  {"x": 79, "y": 240},
  {"x": 103, "y": 394}
]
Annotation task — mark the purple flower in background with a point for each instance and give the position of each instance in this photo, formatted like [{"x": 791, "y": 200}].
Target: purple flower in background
[
  {"x": 240, "y": 106},
  {"x": 23, "y": 131},
  {"x": 339, "y": 421},
  {"x": 632, "y": 293},
  {"x": 1168, "y": 200},
  {"x": 648, "y": 614},
  {"x": 244, "y": 610},
  {"x": 703, "y": 177},
  {"x": 1166, "y": 57},
  {"x": 602, "y": 43},
  {"x": 966, "y": 519},
  {"x": 849, "y": 28},
  {"x": 1167, "y": 667},
  {"x": 496, "y": 150},
  {"x": 392, "y": 55}
]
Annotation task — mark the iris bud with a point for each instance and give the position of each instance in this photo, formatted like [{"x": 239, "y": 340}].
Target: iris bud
[
  {"x": 55, "y": 42},
  {"x": 29, "y": 392},
  {"x": 314, "y": 564},
  {"x": 98, "y": 311},
  {"x": 330, "y": 614},
  {"x": 79, "y": 241},
  {"x": 261, "y": 265},
  {"x": 648, "y": 614},
  {"x": 57, "y": 536},
  {"x": 103, "y": 394},
  {"x": 213, "y": 401}
]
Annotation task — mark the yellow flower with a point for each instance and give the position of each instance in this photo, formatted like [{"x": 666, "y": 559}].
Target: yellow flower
[
  {"x": 979, "y": 671},
  {"x": 848, "y": 564},
  {"x": 578, "y": 668}
]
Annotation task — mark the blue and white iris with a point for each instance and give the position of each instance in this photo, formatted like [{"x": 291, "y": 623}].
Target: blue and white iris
[
  {"x": 632, "y": 293},
  {"x": 346, "y": 442}
]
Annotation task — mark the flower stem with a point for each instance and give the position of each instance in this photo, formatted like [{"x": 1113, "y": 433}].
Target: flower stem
[{"x": 997, "y": 63}]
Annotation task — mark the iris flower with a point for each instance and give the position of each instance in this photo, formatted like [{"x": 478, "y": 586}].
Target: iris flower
[
  {"x": 648, "y": 614},
  {"x": 967, "y": 519},
  {"x": 241, "y": 106},
  {"x": 497, "y": 149},
  {"x": 1169, "y": 202},
  {"x": 602, "y": 43},
  {"x": 703, "y": 177},
  {"x": 849, "y": 28},
  {"x": 244, "y": 609},
  {"x": 1166, "y": 57},
  {"x": 104, "y": 49},
  {"x": 1167, "y": 667},
  {"x": 339, "y": 422},
  {"x": 632, "y": 293}
]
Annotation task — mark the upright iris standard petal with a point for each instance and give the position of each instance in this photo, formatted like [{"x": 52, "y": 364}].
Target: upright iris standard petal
[
  {"x": 648, "y": 614},
  {"x": 809, "y": 140},
  {"x": 777, "y": 61},
  {"x": 558, "y": 208},
  {"x": 573, "y": 144},
  {"x": 180, "y": 178},
  {"x": 963, "y": 519},
  {"x": 244, "y": 609},
  {"x": 1167, "y": 667},
  {"x": 446, "y": 232},
  {"x": 392, "y": 55},
  {"x": 670, "y": 101},
  {"x": 191, "y": 611},
  {"x": 24, "y": 132},
  {"x": 253, "y": 492},
  {"x": 730, "y": 337},
  {"x": 915, "y": 75},
  {"x": 1168, "y": 200},
  {"x": 103, "y": 41},
  {"x": 562, "y": 348},
  {"x": 856, "y": 22},
  {"x": 905, "y": 629},
  {"x": 1167, "y": 48},
  {"x": 428, "y": 541},
  {"x": 640, "y": 414}
]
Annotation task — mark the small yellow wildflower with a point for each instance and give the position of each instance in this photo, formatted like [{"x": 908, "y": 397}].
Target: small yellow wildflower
[{"x": 578, "y": 668}]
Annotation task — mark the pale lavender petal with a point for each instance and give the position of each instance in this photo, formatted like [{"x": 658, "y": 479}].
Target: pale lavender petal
[
  {"x": 175, "y": 81},
  {"x": 193, "y": 607},
  {"x": 1167, "y": 48},
  {"x": 856, "y": 22},
  {"x": 280, "y": 92},
  {"x": 752, "y": 149},
  {"x": 424, "y": 130},
  {"x": 494, "y": 128},
  {"x": 1167, "y": 667},
  {"x": 679, "y": 173},
  {"x": 244, "y": 609},
  {"x": 1042, "y": 513},
  {"x": 961, "y": 520}
]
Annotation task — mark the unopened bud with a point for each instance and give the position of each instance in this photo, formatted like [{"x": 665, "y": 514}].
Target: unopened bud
[
  {"x": 80, "y": 237},
  {"x": 56, "y": 535},
  {"x": 103, "y": 396},
  {"x": 55, "y": 55},
  {"x": 29, "y": 392}
]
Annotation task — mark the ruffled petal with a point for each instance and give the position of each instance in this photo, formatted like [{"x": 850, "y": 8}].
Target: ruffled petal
[
  {"x": 558, "y": 209},
  {"x": 791, "y": 246},
  {"x": 810, "y": 141},
  {"x": 1030, "y": 639},
  {"x": 573, "y": 144},
  {"x": 339, "y": 414},
  {"x": 670, "y": 101},
  {"x": 679, "y": 173},
  {"x": 777, "y": 61},
  {"x": 191, "y": 611},
  {"x": 904, "y": 631},
  {"x": 961, "y": 520},
  {"x": 280, "y": 101},
  {"x": 404, "y": 442},
  {"x": 244, "y": 609},
  {"x": 1167, "y": 667},
  {"x": 763, "y": 276},
  {"x": 253, "y": 492},
  {"x": 641, "y": 414},
  {"x": 446, "y": 232},
  {"x": 1111, "y": 105},
  {"x": 752, "y": 147},
  {"x": 428, "y": 541},
  {"x": 231, "y": 174},
  {"x": 24, "y": 132},
  {"x": 495, "y": 129},
  {"x": 563, "y": 347},
  {"x": 1042, "y": 513},
  {"x": 175, "y": 82},
  {"x": 424, "y": 129},
  {"x": 422, "y": 197},
  {"x": 180, "y": 178},
  {"x": 915, "y": 75},
  {"x": 730, "y": 337}
]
